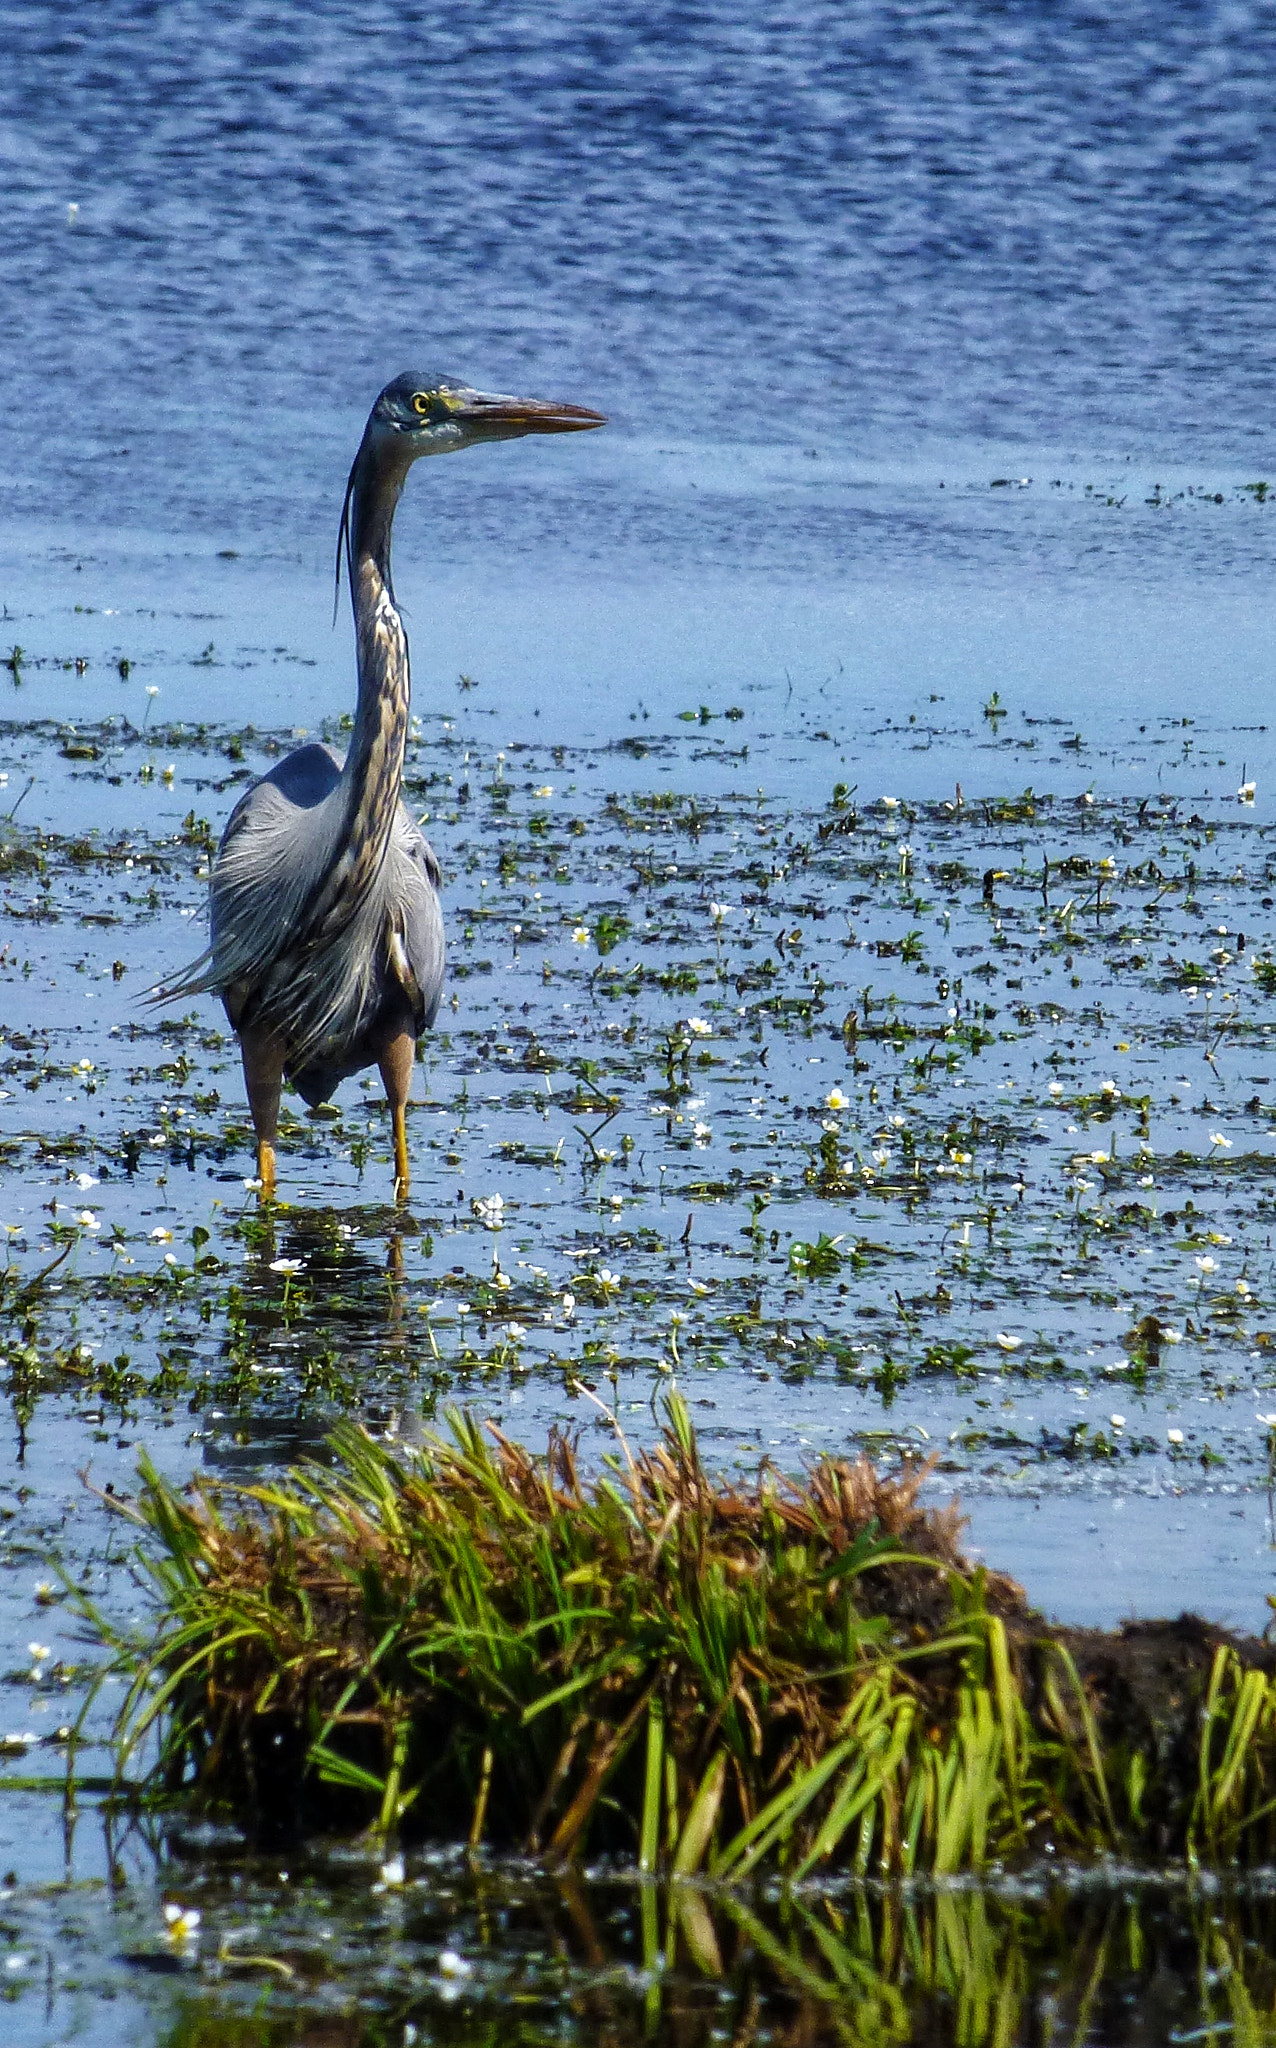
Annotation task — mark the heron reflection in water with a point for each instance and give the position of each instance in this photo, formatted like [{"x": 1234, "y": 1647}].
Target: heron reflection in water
[
  {"x": 326, "y": 942},
  {"x": 318, "y": 1325}
]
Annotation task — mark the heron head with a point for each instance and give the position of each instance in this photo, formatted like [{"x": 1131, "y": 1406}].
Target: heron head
[{"x": 431, "y": 415}]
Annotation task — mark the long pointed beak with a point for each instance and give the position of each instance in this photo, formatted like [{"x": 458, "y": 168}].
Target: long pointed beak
[{"x": 499, "y": 418}]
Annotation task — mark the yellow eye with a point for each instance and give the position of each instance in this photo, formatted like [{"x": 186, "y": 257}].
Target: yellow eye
[{"x": 421, "y": 402}]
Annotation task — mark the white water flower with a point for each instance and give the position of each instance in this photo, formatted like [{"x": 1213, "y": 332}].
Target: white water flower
[
  {"x": 1007, "y": 1342},
  {"x": 836, "y": 1100},
  {"x": 1174, "y": 1436},
  {"x": 87, "y": 1220},
  {"x": 1246, "y": 792},
  {"x": 1207, "y": 1265},
  {"x": 1217, "y": 1138},
  {"x": 718, "y": 911},
  {"x": 286, "y": 1265},
  {"x": 698, "y": 1027},
  {"x": 1055, "y": 1088},
  {"x": 181, "y": 1922},
  {"x": 162, "y": 1236},
  {"x": 580, "y": 935},
  {"x": 85, "y": 1181}
]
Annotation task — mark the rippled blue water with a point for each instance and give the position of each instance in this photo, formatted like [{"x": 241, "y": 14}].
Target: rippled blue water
[
  {"x": 870, "y": 229},
  {"x": 844, "y": 278}
]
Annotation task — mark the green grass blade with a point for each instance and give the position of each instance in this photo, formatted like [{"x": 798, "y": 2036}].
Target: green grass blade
[
  {"x": 649, "y": 1839},
  {"x": 702, "y": 1818}
]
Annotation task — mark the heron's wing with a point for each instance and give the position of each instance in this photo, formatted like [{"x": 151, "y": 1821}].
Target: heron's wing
[
  {"x": 320, "y": 995},
  {"x": 416, "y": 944},
  {"x": 274, "y": 853}
]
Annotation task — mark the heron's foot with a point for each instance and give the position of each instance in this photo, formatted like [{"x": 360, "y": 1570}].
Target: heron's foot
[
  {"x": 402, "y": 1171},
  {"x": 266, "y": 1169}
]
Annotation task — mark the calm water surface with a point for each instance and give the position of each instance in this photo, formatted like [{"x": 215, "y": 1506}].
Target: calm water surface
[{"x": 936, "y": 342}]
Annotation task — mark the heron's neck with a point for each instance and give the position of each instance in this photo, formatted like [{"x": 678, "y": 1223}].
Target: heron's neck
[
  {"x": 373, "y": 773},
  {"x": 374, "y": 764}
]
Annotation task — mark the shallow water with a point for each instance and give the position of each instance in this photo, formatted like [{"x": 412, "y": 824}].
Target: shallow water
[
  {"x": 937, "y": 350},
  {"x": 319, "y": 1947}
]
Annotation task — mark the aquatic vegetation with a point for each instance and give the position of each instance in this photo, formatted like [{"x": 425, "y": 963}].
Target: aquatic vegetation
[
  {"x": 1005, "y": 1052},
  {"x": 704, "y": 1676}
]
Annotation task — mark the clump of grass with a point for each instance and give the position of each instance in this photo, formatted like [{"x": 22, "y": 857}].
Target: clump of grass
[{"x": 476, "y": 1643}]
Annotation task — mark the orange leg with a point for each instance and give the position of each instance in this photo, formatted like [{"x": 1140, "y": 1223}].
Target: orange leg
[
  {"x": 263, "y": 1056},
  {"x": 396, "y": 1073}
]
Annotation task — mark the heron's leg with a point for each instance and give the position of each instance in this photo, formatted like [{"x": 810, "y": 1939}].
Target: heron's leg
[
  {"x": 263, "y": 1055},
  {"x": 396, "y": 1061}
]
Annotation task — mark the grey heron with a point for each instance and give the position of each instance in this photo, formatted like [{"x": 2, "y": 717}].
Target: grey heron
[{"x": 326, "y": 942}]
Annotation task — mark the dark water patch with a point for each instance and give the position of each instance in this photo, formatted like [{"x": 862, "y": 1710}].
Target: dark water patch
[{"x": 324, "y": 1950}]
